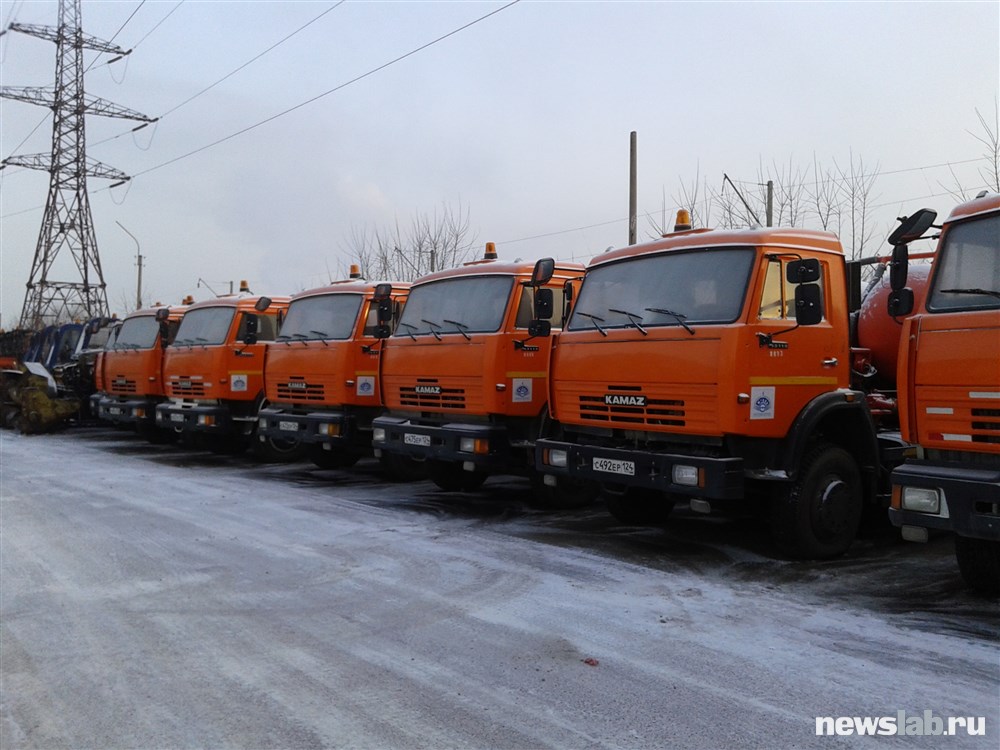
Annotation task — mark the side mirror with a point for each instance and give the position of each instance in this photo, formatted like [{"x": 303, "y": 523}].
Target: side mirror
[
  {"x": 539, "y": 328},
  {"x": 383, "y": 291},
  {"x": 900, "y": 302},
  {"x": 162, "y": 314},
  {"x": 252, "y": 326},
  {"x": 384, "y": 309},
  {"x": 543, "y": 271},
  {"x": 382, "y": 331},
  {"x": 543, "y": 303},
  {"x": 262, "y": 304},
  {"x": 803, "y": 271},
  {"x": 899, "y": 267},
  {"x": 913, "y": 227},
  {"x": 808, "y": 305},
  {"x": 164, "y": 332}
]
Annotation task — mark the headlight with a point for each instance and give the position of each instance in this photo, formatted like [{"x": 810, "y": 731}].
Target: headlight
[
  {"x": 922, "y": 499},
  {"x": 378, "y": 435},
  {"x": 685, "y": 475},
  {"x": 262, "y": 423},
  {"x": 467, "y": 445},
  {"x": 557, "y": 458},
  {"x": 206, "y": 419}
]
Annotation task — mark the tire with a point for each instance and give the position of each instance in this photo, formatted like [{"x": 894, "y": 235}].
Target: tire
[
  {"x": 566, "y": 495},
  {"x": 402, "y": 468},
  {"x": 277, "y": 450},
  {"x": 818, "y": 515},
  {"x": 451, "y": 477},
  {"x": 332, "y": 459},
  {"x": 979, "y": 563},
  {"x": 638, "y": 506}
]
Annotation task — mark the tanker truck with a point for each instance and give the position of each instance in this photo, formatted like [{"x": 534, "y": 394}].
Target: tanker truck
[
  {"x": 949, "y": 389},
  {"x": 728, "y": 370}
]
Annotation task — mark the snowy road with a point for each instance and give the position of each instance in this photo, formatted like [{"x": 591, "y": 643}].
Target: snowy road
[{"x": 155, "y": 597}]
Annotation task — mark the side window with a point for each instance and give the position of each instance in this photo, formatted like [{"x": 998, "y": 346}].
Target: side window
[
  {"x": 371, "y": 322},
  {"x": 267, "y": 327},
  {"x": 777, "y": 301}
]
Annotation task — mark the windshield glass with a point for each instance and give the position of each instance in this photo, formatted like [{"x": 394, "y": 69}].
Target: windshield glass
[
  {"x": 209, "y": 325},
  {"x": 138, "y": 333},
  {"x": 968, "y": 267},
  {"x": 473, "y": 304},
  {"x": 330, "y": 316},
  {"x": 700, "y": 286}
]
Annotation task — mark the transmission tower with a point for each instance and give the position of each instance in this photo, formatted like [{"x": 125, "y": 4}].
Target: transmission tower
[{"x": 67, "y": 223}]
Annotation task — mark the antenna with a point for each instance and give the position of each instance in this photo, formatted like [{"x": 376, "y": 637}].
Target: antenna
[{"x": 67, "y": 222}]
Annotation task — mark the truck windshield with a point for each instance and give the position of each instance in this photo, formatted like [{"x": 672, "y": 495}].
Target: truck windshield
[
  {"x": 670, "y": 289},
  {"x": 463, "y": 305},
  {"x": 330, "y": 316},
  {"x": 138, "y": 333},
  {"x": 209, "y": 325},
  {"x": 968, "y": 267}
]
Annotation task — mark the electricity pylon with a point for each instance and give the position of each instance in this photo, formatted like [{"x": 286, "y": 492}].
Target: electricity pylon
[{"x": 67, "y": 223}]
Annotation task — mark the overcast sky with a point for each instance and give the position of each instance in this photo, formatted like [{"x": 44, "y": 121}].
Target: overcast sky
[{"x": 522, "y": 118}]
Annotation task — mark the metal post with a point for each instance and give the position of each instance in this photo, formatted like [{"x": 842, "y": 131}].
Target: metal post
[
  {"x": 632, "y": 209},
  {"x": 770, "y": 203}
]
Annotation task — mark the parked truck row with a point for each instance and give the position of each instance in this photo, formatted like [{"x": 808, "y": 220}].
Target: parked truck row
[{"x": 735, "y": 371}]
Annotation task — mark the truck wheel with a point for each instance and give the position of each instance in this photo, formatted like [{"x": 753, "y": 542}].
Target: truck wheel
[
  {"x": 818, "y": 515},
  {"x": 451, "y": 477},
  {"x": 638, "y": 506},
  {"x": 979, "y": 563},
  {"x": 402, "y": 468},
  {"x": 332, "y": 459},
  {"x": 277, "y": 450}
]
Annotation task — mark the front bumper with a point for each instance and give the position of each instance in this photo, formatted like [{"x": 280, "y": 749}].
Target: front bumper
[
  {"x": 712, "y": 478},
  {"x": 330, "y": 427},
  {"x": 969, "y": 497},
  {"x": 491, "y": 449},
  {"x": 207, "y": 418},
  {"x": 134, "y": 411}
]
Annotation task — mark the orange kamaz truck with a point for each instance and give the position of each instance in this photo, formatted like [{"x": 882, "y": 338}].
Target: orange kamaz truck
[
  {"x": 214, "y": 372},
  {"x": 949, "y": 390},
  {"x": 463, "y": 380},
  {"x": 130, "y": 372},
  {"x": 321, "y": 375},
  {"x": 723, "y": 369}
]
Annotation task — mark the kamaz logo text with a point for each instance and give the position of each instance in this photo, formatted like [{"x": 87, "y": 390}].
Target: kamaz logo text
[
  {"x": 429, "y": 390},
  {"x": 296, "y": 385},
  {"x": 616, "y": 399}
]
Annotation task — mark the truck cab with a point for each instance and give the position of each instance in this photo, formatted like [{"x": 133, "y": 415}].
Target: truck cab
[
  {"x": 132, "y": 369},
  {"x": 464, "y": 381},
  {"x": 214, "y": 369},
  {"x": 716, "y": 368},
  {"x": 321, "y": 376},
  {"x": 949, "y": 386}
]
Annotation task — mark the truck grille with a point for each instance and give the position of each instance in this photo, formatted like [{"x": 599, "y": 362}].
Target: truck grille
[
  {"x": 123, "y": 385},
  {"x": 445, "y": 398},
  {"x": 661, "y": 412},
  {"x": 300, "y": 390},
  {"x": 186, "y": 388},
  {"x": 986, "y": 426}
]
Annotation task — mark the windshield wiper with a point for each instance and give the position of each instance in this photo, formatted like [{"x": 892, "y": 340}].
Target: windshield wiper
[
  {"x": 433, "y": 327},
  {"x": 973, "y": 290},
  {"x": 635, "y": 319},
  {"x": 597, "y": 322},
  {"x": 677, "y": 316},
  {"x": 410, "y": 332},
  {"x": 461, "y": 328},
  {"x": 322, "y": 336}
]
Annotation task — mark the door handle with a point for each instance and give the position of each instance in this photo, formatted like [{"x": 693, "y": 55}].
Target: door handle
[{"x": 831, "y": 362}]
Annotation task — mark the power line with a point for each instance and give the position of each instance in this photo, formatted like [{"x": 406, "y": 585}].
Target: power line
[
  {"x": 160, "y": 23},
  {"x": 330, "y": 91}
]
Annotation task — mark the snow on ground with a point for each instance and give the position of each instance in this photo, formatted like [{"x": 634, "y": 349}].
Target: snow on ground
[{"x": 157, "y": 597}]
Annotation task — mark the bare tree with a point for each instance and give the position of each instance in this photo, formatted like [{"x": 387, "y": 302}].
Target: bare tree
[
  {"x": 855, "y": 187},
  {"x": 432, "y": 242}
]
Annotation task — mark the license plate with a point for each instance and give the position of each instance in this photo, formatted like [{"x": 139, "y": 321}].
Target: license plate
[
  {"x": 410, "y": 439},
  {"x": 114, "y": 410},
  {"x": 176, "y": 417},
  {"x": 288, "y": 426},
  {"x": 615, "y": 466}
]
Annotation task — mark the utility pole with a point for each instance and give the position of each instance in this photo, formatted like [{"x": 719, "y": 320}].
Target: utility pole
[
  {"x": 67, "y": 222},
  {"x": 770, "y": 203},
  {"x": 138, "y": 259},
  {"x": 633, "y": 218}
]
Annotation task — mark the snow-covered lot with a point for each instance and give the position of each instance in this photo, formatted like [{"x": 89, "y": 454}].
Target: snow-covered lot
[{"x": 153, "y": 597}]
